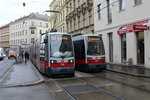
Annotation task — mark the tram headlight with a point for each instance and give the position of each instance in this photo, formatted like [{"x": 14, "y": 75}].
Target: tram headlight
[
  {"x": 53, "y": 61},
  {"x": 71, "y": 61},
  {"x": 89, "y": 58}
]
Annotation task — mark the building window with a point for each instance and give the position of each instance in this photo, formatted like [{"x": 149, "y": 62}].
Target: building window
[
  {"x": 32, "y": 23},
  {"x": 40, "y": 23},
  {"x": 40, "y": 31},
  {"x": 32, "y": 31},
  {"x": 109, "y": 13},
  {"x": 26, "y": 32},
  {"x": 84, "y": 20},
  {"x": 47, "y": 25},
  {"x": 78, "y": 22},
  {"x": 90, "y": 17},
  {"x": 99, "y": 10},
  {"x": 70, "y": 26},
  {"x": 121, "y": 5},
  {"x": 78, "y": 2},
  {"x": 110, "y": 35},
  {"x": 74, "y": 24},
  {"x": 136, "y": 2},
  {"x": 123, "y": 48},
  {"x": 32, "y": 40}
]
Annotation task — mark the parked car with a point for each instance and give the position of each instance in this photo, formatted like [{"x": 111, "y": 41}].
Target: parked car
[
  {"x": 11, "y": 54},
  {"x": 1, "y": 53}
]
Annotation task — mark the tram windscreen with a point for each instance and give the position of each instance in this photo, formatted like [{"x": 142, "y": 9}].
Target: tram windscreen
[
  {"x": 95, "y": 46},
  {"x": 61, "y": 46}
]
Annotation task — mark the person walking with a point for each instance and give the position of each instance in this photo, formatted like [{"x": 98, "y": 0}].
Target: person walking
[{"x": 26, "y": 56}]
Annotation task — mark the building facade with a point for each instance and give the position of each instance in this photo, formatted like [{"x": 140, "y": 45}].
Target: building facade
[
  {"x": 27, "y": 29},
  {"x": 124, "y": 26},
  {"x": 75, "y": 16},
  {"x": 58, "y": 20},
  {"x": 79, "y": 17},
  {"x": 4, "y": 36}
]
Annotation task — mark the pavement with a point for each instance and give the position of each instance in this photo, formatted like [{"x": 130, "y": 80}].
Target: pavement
[
  {"x": 21, "y": 74},
  {"x": 134, "y": 70}
]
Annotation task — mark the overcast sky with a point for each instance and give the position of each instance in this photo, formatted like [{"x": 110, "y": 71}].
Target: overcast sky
[{"x": 11, "y": 10}]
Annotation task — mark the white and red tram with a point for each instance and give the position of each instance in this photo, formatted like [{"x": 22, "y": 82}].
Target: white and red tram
[
  {"x": 53, "y": 54},
  {"x": 89, "y": 52}
]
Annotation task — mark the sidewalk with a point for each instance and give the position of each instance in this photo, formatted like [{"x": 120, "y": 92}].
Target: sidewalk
[
  {"x": 129, "y": 69},
  {"x": 21, "y": 74}
]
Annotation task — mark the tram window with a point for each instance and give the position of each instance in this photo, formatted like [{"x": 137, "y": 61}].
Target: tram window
[
  {"x": 61, "y": 46},
  {"x": 95, "y": 48},
  {"x": 46, "y": 52}
]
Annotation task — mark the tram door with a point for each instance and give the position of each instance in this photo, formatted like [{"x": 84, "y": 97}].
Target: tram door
[{"x": 140, "y": 48}]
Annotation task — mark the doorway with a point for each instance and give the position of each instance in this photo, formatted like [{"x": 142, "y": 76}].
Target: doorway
[{"x": 140, "y": 48}]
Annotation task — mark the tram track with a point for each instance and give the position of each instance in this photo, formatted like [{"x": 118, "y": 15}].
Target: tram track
[
  {"x": 70, "y": 90},
  {"x": 5, "y": 66},
  {"x": 125, "y": 82},
  {"x": 132, "y": 77}
]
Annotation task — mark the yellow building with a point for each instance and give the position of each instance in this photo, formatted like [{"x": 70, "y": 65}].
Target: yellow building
[
  {"x": 58, "y": 18},
  {"x": 76, "y": 16},
  {"x": 4, "y": 36},
  {"x": 80, "y": 18}
]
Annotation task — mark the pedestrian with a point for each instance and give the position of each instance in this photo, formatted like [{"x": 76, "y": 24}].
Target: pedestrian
[{"x": 26, "y": 56}]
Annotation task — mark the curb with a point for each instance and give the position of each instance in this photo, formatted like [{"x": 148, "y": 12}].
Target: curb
[
  {"x": 41, "y": 80},
  {"x": 137, "y": 75}
]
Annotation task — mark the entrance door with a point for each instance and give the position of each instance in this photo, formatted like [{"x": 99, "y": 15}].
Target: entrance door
[{"x": 140, "y": 48}]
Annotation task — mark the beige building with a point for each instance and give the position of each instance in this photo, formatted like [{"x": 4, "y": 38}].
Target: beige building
[
  {"x": 4, "y": 36},
  {"x": 76, "y": 16},
  {"x": 58, "y": 18},
  {"x": 27, "y": 29}
]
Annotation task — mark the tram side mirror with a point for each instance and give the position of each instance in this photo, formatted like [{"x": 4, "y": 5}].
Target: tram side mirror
[{"x": 45, "y": 40}]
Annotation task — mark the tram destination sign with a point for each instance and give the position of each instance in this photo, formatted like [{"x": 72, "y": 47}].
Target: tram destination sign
[
  {"x": 93, "y": 38},
  {"x": 60, "y": 38}
]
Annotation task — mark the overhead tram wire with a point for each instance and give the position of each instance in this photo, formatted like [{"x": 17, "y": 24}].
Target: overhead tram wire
[
  {"x": 101, "y": 9},
  {"x": 95, "y": 7}
]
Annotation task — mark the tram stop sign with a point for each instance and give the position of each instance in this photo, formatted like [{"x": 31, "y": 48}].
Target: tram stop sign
[{"x": 23, "y": 46}]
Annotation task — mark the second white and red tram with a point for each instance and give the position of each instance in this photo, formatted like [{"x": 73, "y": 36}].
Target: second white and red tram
[
  {"x": 89, "y": 52},
  {"x": 53, "y": 54}
]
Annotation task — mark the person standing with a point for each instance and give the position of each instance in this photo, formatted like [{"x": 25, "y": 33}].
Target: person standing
[{"x": 26, "y": 56}]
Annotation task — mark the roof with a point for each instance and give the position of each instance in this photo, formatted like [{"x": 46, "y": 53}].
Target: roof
[{"x": 34, "y": 16}]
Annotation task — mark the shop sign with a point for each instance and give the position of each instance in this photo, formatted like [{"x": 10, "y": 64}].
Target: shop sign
[
  {"x": 141, "y": 27},
  {"x": 135, "y": 27}
]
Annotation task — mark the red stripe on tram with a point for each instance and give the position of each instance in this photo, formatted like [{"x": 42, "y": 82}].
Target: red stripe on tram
[
  {"x": 64, "y": 64},
  {"x": 96, "y": 61}
]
